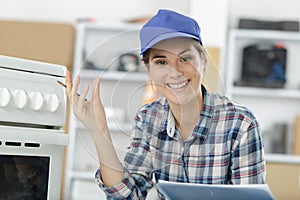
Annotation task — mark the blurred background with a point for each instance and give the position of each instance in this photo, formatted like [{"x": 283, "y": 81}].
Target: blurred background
[{"x": 254, "y": 51}]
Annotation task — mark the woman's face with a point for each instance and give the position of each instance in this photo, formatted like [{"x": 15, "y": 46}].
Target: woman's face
[{"x": 176, "y": 70}]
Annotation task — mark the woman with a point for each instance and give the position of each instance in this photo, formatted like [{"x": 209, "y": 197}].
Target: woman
[{"x": 188, "y": 135}]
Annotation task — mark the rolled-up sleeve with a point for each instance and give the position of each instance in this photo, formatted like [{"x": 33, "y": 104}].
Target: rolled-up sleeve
[
  {"x": 137, "y": 180},
  {"x": 248, "y": 164}
]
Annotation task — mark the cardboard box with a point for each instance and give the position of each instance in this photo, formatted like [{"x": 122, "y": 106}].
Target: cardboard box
[
  {"x": 46, "y": 42},
  {"x": 283, "y": 180}
]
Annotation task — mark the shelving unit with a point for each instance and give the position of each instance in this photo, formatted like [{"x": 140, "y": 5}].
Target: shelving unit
[
  {"x": 272, "y": 106},
  {"x": 97, "y": 52},
  {"x": 115, "y": 76},
  {"x": 268, "y": 93}
]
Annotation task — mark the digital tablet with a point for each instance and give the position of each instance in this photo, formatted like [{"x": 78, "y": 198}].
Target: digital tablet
[{"x": 191, "y": 191}]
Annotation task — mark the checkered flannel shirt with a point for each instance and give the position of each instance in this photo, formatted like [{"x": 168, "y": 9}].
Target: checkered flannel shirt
[{"x": 225, "y": 148}]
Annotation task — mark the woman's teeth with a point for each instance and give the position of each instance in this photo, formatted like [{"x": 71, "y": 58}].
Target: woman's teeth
[{"x": 178, "y": 86}]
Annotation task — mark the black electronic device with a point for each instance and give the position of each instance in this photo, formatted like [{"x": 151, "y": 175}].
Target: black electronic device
[
  {"x": 263, "y": 66},
  {"x": 269, "y": 25}
]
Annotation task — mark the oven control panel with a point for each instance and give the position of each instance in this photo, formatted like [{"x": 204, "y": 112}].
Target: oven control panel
[
  {"x": 34, "y": 100},
  {"x": 31, "y": 97}
]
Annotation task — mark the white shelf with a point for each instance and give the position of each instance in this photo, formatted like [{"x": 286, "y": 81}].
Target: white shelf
[
  {"x": 283, "y": 158},
  {"x": 83, "y": 175},
  {"x": 113, "y": 126},
  {"x": 114, "y": 75},
  {"x": 109, "y": 26},
  {"x": 266, "y": 35},
  {"x": 266, "y": 92},
  {"x": 86, "y": 189}
]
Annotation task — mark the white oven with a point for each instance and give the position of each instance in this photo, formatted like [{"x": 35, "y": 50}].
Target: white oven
[{"x": 32, "y": 140}]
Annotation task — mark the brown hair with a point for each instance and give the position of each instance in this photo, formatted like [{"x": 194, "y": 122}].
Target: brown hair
[{"x": 201, "y": 50}]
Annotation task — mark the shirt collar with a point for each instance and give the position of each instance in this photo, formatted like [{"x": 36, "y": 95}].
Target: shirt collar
[
  {"x": 171, "y": 125},
  {"x": 208, "y": 103},
  {"x": 204, "y": 120}
]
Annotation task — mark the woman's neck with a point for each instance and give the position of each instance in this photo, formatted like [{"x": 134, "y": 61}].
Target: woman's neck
[{"x": 187, "y": 115}]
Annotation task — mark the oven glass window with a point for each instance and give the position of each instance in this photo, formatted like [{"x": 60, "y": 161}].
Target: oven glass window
[{"x": 24, "y": 177}]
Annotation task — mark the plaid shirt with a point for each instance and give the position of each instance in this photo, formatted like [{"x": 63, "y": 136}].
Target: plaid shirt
[{"x": 224, "y": 148}]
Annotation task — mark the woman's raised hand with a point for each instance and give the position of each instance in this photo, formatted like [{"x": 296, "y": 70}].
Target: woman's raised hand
[{"x": 91, "y": 113}]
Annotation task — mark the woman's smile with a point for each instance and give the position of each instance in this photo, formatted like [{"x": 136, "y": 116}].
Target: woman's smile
[{"x": 178, "y": 86}]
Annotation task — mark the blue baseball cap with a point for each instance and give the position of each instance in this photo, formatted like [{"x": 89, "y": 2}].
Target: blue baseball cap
[{"x": 167, "y": 24}]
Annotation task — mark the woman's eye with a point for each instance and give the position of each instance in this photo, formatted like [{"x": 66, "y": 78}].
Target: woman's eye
[
  {"x": 161, "y": 62},
  {"x": 185, "y": 59}
]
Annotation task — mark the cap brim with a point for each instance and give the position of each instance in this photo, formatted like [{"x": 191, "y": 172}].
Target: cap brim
[{"x": 166, "y": 36}]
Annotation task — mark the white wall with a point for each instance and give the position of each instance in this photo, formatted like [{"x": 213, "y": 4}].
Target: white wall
[
  {"x": 68, "y": 10},
  {"x": 212, "y": 18}
]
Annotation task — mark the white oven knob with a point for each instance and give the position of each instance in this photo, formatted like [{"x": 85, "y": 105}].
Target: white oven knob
[
  {"x": 4, "y": 96},
  {"x": 51, "y": 102},
  {"x": 20, "y": 98},
  {"x": 36, "y": 100}
]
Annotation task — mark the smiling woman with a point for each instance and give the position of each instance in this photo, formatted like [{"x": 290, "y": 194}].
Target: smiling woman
[
  {"x": 177, "y": 70},
  {"x": 187, "y": 135}
]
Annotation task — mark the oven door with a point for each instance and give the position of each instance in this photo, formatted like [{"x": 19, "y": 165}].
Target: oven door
[{"x": 31, "y": 163}]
